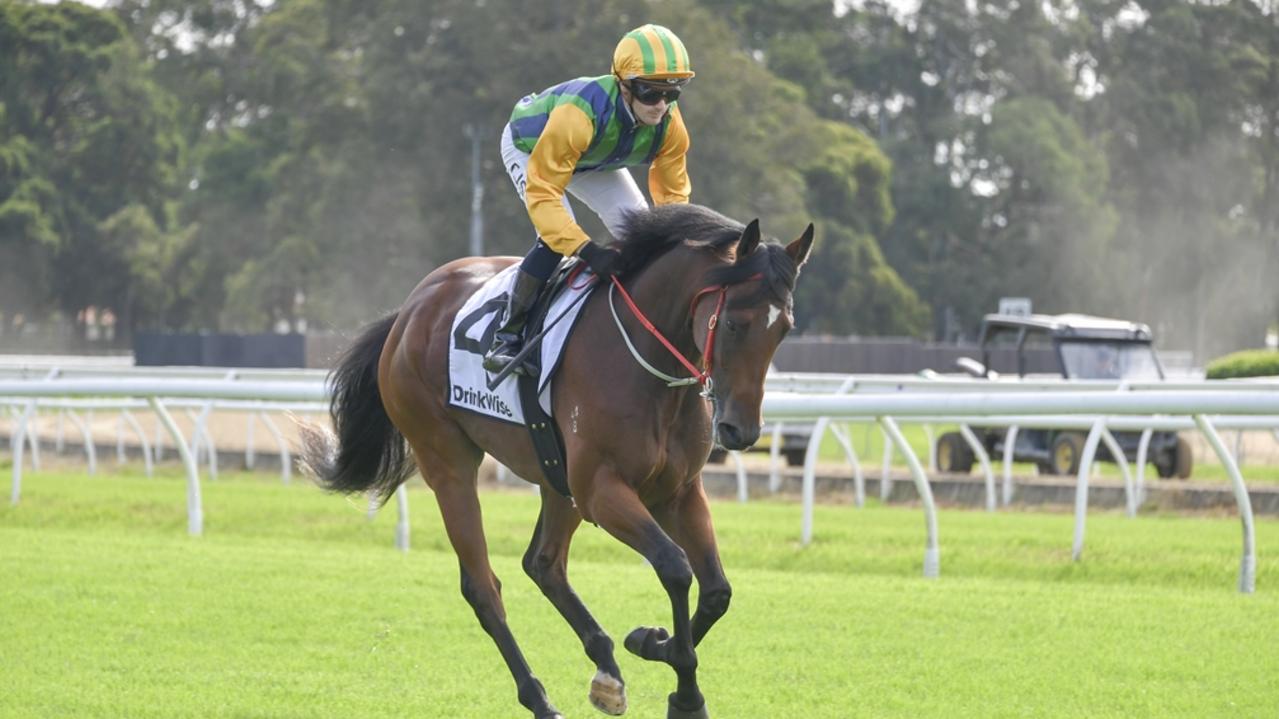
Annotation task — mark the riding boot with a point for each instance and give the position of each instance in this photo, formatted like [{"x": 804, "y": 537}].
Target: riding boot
[{"x": 509, "y": 338}]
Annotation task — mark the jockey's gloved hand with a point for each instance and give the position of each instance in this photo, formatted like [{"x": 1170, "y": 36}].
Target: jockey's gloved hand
[{"x": 603, "y": 261}]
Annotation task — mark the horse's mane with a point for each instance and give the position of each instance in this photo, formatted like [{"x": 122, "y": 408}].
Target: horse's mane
[{"x": 647, "y": 234}]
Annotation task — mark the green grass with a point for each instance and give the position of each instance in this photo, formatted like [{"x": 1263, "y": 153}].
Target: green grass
[{"x": 293, "y": 605}]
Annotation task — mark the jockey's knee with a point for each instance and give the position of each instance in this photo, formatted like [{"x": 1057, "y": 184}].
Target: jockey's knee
[{"x": 541, "y": 261}]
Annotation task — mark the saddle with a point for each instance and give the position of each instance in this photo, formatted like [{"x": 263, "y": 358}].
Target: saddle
[{"x": 567, "y": 271}]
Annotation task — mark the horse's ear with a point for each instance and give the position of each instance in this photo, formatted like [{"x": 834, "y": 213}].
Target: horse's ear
[
  {"x": 798, "y": 250},
  {"x": 749, "y": 240}
]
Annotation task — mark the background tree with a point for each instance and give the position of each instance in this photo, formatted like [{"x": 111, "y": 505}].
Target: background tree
[
  {"x": 304, "y": 162},
  {"x": 1182, "y": 117},
  {"x": 87, "y": 135},
  {"x": 771, "y": 156}
]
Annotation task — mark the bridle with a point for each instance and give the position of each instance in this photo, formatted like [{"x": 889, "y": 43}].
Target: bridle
[{"x": 702, "y": 376}]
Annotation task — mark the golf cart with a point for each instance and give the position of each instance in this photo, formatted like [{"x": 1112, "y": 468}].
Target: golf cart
[{"x": 1074, "y": 347}]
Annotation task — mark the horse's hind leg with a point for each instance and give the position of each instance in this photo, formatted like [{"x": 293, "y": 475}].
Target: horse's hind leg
[
  {"x": 546, "y": 562},
  {"x": 455, "y": 492}
]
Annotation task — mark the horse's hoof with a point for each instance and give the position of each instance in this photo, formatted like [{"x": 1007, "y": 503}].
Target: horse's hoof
[
  {"x": 608, "y": 694},
  {"x": 643, "y": 642},
  {"x": 675, "y": 712}
]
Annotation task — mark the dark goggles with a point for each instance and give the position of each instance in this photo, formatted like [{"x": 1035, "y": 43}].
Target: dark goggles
[{"x": 651, "y": 93}]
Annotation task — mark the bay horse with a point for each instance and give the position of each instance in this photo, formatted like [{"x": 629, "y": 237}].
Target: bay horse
[{"x": 634, "y": 447}]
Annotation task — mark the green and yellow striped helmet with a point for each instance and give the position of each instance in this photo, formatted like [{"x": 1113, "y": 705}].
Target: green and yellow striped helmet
[{"x": 651, "y": 52}]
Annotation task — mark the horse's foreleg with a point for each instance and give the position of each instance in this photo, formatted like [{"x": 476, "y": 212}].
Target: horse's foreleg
[
  {"x": 615, "y": 507},
  {"x": 691, "y": 527},
  {"x": 460, "y": 508},
  {"x": 546, "y": 562}
]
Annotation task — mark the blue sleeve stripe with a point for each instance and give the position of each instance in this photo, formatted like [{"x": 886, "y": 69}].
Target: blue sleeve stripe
[
  {"x": 589, "y": 89},
  {"x": 528, "y": 127}
]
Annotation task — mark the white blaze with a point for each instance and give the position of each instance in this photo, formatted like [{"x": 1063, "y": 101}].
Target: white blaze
[{"x": 773, "y": 313}]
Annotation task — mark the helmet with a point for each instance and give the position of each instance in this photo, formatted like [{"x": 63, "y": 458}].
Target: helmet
[{"x": 651, "y": 52}]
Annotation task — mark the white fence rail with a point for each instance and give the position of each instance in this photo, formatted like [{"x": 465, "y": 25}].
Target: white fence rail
[
  {"x": 1261, "y": 400},
  {"x": 1098, "y": 406}
]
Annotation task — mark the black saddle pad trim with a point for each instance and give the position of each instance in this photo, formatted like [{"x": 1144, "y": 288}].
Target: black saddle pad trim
[
  {"x": 546, "y": 436},
  {"x": 547, "y": 440}
]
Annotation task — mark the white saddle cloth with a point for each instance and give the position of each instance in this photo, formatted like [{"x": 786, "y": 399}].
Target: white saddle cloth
[{"x": 472, "y": 332}]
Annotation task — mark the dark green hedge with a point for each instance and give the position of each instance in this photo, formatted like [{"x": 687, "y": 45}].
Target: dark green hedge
[{"x": 1248, "y": 363}]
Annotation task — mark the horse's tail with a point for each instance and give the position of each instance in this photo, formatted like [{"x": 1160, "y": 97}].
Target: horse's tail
[{"x": 368, "y": 453}]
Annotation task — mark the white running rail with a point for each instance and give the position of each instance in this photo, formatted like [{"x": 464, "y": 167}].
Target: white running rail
[{"x": 1208, "y": 405}]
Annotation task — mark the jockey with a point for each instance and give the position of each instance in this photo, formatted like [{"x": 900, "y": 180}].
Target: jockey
[{"x": 580, "y": 136}]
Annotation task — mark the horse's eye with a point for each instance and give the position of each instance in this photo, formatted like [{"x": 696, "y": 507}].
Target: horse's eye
[{"x": 731, "y": 326}]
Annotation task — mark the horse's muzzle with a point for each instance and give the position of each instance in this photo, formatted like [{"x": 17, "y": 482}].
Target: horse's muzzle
[{"x": 730, "y": 436}]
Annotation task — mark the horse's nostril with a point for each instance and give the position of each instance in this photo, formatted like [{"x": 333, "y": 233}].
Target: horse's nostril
[{"x": 729, "y": 435}]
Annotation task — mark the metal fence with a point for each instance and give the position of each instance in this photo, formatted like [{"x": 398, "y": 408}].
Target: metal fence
[{"x": 816, "y": 399}]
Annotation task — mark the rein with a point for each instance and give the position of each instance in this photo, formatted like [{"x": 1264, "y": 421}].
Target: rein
[{"x": 703, "y": 376}]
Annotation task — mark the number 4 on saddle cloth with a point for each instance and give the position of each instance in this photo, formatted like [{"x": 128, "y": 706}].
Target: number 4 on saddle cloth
[{"x": 520, "y": 398}]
